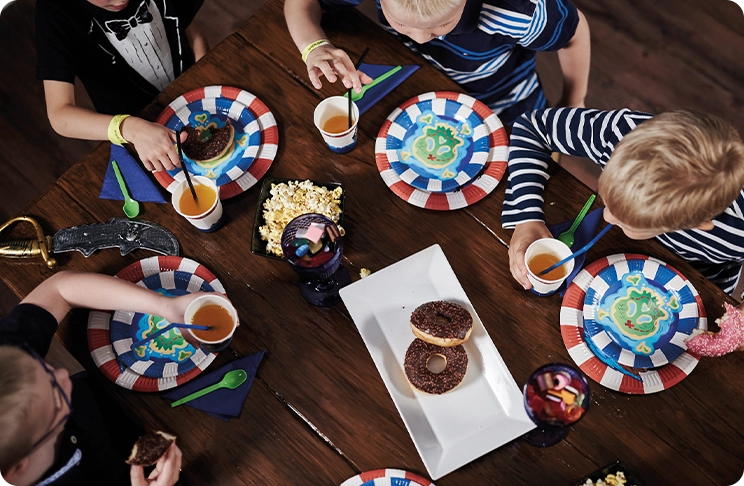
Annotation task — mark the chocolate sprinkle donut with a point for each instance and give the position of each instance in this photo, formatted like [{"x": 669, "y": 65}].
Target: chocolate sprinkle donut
[
  {"x": 150, "y": 448},
  {"x": 215, "y": 146},
  {"x": 417, "y": 358},
  {"x": 442, "y": 323}
]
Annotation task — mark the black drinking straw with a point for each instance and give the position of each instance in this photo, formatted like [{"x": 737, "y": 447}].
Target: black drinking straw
[
  {"x": 356, "y": 68},
  {"x": 183, "y": 164}
]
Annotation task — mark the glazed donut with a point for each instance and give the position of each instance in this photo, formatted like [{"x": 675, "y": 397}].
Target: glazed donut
[
  {"x": 219, "y": 142},
  {"x": 442, "y": 323},
  {"x": 418, "y": 374}
]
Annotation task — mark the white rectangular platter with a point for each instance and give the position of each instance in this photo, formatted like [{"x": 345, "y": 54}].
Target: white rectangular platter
[{"x": 450, "y": 430}]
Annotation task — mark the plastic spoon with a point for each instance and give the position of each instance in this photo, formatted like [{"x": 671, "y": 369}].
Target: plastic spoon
[
  {"x": 167, "y": 328},
  {"x": 231, "y": 380},
  {"x": 567, "y": 237},
  {"x": 583, "y": 250},
  {"x": 382, "y": 77},
  {"x": 131, "y": 207}
]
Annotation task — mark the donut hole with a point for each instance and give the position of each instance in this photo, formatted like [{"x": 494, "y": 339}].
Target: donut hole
[
  {"x": 436, "y": 363},
  {"x": 442, "y": 320}
]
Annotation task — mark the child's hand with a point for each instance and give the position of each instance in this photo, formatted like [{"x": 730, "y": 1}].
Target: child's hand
[
  {"x": 153, "y": 142},
  {"x": 166, "y": 471},
  {"x": 524, "y": 235},
  {"x": 174, "y": 308},
  {"x": 333, "y": 63}
]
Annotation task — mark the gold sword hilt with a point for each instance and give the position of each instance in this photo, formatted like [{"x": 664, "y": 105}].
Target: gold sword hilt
[{"x": 42, "y": 245}]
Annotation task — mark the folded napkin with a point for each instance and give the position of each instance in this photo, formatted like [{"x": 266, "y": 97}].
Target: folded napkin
[
  {"x": 376, "y": 93},
  {"x": 224, "y": 403},
  {"x": 584, "y": 233},
  {"x": 138, "y": 182}
]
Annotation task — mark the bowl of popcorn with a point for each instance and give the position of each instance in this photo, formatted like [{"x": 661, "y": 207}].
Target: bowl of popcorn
[
  {"x": 282, "y": 200},
  {"x": 615, "y": 474}
]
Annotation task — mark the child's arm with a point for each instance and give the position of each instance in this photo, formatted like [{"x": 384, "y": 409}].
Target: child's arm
[
  {"x": 557, "y": 25},
  {"x": 303, "y": 21},
  {"x": 591, "y": 134},
  {"x": 153, "y": 142},
  {"x": 575, "y": 59},
  {"x": 197, "y": 41},
  {"x": 66, "y": 290}
]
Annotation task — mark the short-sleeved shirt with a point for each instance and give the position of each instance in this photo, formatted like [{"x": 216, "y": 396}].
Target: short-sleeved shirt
[
  {"x": 122, "y": 58},
  {"x": 87, "y": 454},
  {"x": 594, "y": 134},
  {"x": 491, "y": 51}
]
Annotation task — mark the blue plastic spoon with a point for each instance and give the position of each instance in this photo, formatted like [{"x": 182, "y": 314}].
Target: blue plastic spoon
[
  {"x": 166, "y": 329},
  {"x": 583, "y": 250},
  {"x": 608, "y": 360}
]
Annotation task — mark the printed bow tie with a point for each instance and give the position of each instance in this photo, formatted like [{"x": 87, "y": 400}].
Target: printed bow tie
[{"x": 121, "y": 28}]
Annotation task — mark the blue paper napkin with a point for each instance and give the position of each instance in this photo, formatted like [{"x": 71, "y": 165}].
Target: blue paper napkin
[
  {"x": 584, "y": 233},
  {"x": 138, "y": 182},
  {"x": 224, "y": 403},
  {"x": 376, "y": 93}
]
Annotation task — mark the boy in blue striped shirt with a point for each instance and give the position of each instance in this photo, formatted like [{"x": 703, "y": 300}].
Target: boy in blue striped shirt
[
  {"x": 676, "y": 177},
  {"x": 487, "y": 46}
]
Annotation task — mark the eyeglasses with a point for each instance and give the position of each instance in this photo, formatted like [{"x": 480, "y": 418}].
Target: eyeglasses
[{"x": 60, "y": 399}]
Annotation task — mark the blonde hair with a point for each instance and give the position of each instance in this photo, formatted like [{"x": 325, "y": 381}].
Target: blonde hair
[
  {"x": 17, "y": 380},
  {"x": 675, "y": 171},
  {"x": 428, "y": 8}
]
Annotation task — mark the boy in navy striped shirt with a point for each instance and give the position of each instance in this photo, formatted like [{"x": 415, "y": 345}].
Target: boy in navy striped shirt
[
  {"x": 677, "y": 177},
  {"x": 487, "y": 46}
]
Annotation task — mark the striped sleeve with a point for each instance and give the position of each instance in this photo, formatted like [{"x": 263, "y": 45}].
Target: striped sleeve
[
  {"x": 335, "y": 5},
  {"x": 553, "y": 24},
  {"x": 579, "y": 132}
]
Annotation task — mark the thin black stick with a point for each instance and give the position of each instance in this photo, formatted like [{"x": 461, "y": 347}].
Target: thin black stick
[
  {"x": 183, "y": 164},
  {"x": 359, "y": 63}
]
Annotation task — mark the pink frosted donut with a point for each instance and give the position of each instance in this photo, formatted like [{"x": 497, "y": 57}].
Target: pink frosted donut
[{"x": 728, "y": 340}]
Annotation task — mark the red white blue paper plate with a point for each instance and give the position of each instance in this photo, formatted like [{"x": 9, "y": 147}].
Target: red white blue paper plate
[
  {"x": 639, "y": 312},
  {"x": 387, "y": 477},
  {"x": 573, "y": 318},
  {"x": 471, "y": 191},
  {"x": 256, "y": 136},
  {"x": 159, "y": 371},
  {"x": 437, "y": 144},
  {"x": 212, "y": 113},
  {"x": 169, "y": 354}
]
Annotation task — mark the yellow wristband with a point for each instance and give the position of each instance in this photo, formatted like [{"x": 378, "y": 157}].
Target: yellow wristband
[
  {"x": 114, "y": 130},
  {"x": 306, "y": 51}
]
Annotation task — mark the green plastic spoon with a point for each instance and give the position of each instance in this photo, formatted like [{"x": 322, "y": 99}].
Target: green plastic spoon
[
  {"x": 382, "y": 77},
  {"x": 131, "y": 207},
  {"x": 231, "y": 380},
  {"x": 567, "y": 237}
]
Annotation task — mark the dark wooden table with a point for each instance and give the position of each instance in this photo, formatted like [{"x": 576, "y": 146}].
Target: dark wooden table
[{"x": 318, "y": 411}]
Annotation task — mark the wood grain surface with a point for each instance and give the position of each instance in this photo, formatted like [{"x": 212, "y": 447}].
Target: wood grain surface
[{"x": 319, "y": 411}]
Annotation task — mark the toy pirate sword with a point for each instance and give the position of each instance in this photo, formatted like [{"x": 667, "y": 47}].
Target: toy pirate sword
[{"x": 125, "y": 234}]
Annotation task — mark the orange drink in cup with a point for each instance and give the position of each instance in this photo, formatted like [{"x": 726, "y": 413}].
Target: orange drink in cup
[
  {"x": 542, "y": 254},
  {"x": 331, "y": 118},
  {"x": 217, "y": 312},
  {"x": 205, "y": 213}
]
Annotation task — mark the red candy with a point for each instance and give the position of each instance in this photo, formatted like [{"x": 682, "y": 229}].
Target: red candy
[{"x": 555, "y": 397}]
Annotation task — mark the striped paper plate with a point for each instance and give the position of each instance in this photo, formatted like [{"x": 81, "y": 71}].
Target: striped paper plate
[
  {"x": 572, "y": 321},
  {"x": 437, "y": 144},
  {"x": 639, "y": 312},
  {"x": 387, "y": 477},
  {"x": 256, "y": 133},
  {"x": 462, "y": 196},
  {"x": 158, "y": 370},
  {"x": 167, "y": 355}
]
